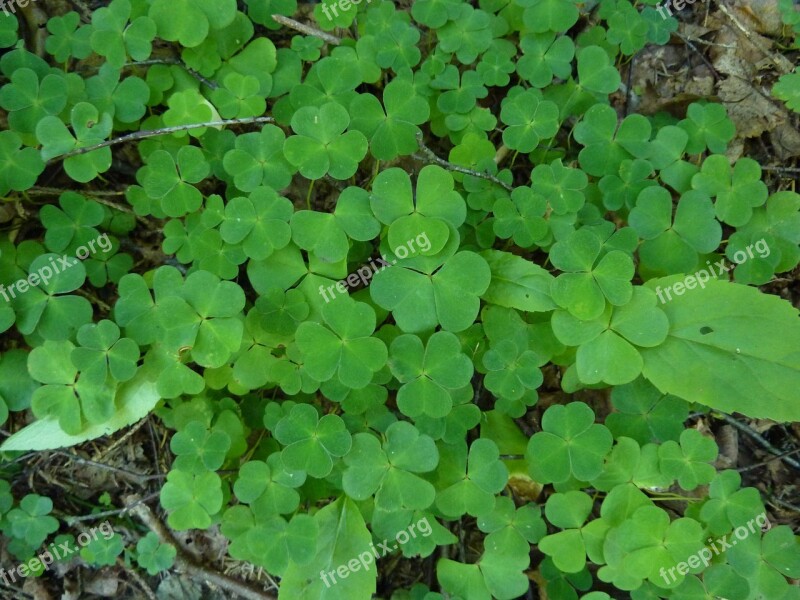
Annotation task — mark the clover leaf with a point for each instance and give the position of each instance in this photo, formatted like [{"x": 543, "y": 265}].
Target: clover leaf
[
  {"x": 688, "y": 461},
  {"x": 203, "y": 317},
  {"x": 344, "y": 348},
  {"x": 169, "y": 179},
  {"x": 258, "y": 160},
  {"x": 428, "y": 373},
  {"x": 20, "y": 167},
  {"x": 101, "y": 551},
  {"x": 709, "y": 127},
  {"x": 153, "y": 555},
  {"x": 191, "y": 499},
  {"x": 389, "y": 471},
  {"x": 29, "y": 100},
  {"x": 260, "y": 222},
  {"x": 31, "y": 521},
  {"x": 674, "y": 245},
  {"x": 570, "y": 445},
  {"x": 449, "y": 297},
  {"x": 311, "y": 443},
  {"x": 587, "y": 283},
  {"x": 89, "y": 128},
  {"x": 737, "y": 190},
  {"x": 320, "y": 147},
  {"x": 392, "y": 131},
  {"x": 103, "y": 352},
  {"x": 198, "y": 449},
  {"x": 529, "y": 119},
  {"x": 480, "y": 476}
]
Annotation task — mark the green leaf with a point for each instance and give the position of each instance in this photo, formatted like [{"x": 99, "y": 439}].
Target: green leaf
[
  {"x": 719, "y": 334},
  {"x": 191, "y": 499},
  {"x": 343, "y": 536},
  {"x": 571, "y": 444},
  {"x": 134, "y": 399},
  {"x": 311, "y": 442},
  {"x": 517, "y": 283}
]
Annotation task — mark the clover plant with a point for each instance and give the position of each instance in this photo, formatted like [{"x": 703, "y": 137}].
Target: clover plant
[{"x": 396, "y": 264}]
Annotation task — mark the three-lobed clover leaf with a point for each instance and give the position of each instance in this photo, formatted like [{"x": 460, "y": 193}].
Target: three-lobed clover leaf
[
  {"x": 428, "y": 373},
  {"x": 198, "y": 449},
  {"x": 66, "y": 38},
  {"x": 688, "y": 461},
  {"x": 65, "y": 396},
  {"x": 258, "y": 160},
  {"x": 570, "y": 444},
  {"x": 709, "y": 127},
  {"x": 102, "y": 551},
  {"x": 89, "y": 128},
  {"x": 673, "y": 245},
  {"x": 260, "y": 222},
  {"x": 203, "y": 317},
  {"x": 389, "y": 470},
  {"x": 102, "y": 352},
  {"x": 529, "y": 120},
  {"x": 587, "y": 283},
  {"x": 478, "y": 478},
  {"x": 343, "y": 346},
  {"x": 153, "y": 555},
  {"x": 73, "y": 224},
  {"x": 320, "y": 147},
  {"x": 545, "y": 56},
  {"x": 20, "y": 166},
  {"x": 392, "y": 129},
  {"x": 191, "y": 499},
  {"x": 311, "y": 443},
  {"x": 449, "y": 297},
  {"x": 608, "y": 346},
  {"x": 29, "y": 100},
  {"x": 115, "y": 38},
  {"x": 170, "y": 179},
  {"x": 31, "y": 522},
  {"x": 737, "y": 191}
]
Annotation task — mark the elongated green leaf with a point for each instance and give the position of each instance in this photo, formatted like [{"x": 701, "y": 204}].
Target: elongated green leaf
[
  {"x": 730, "y": 347},
  {"x": 517, "y": 283},
  {"x": 135, "y": 399},
  {"x": 343, "y": 537}
]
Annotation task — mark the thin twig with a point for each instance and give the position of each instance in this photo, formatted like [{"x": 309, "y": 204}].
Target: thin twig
[
  {"x": 702, "y": 56},
  {"x": 138, "y": 477},
  {"x": 178, "y": 63},
  {"x": 757, "y": 437},
  {"x": 52, "y": 191},
  {"x": 69, "y": 519},
  {"x": 137, "y": 578},
  {"x": 148, "y": 133},
  {"x": 785, "y": 504},
  {"x": 189, "y": 563},
  {"x": 766, "y": 462},
  {"x": 431, "y": 157},
  {"x": 307, "y": 29}
]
